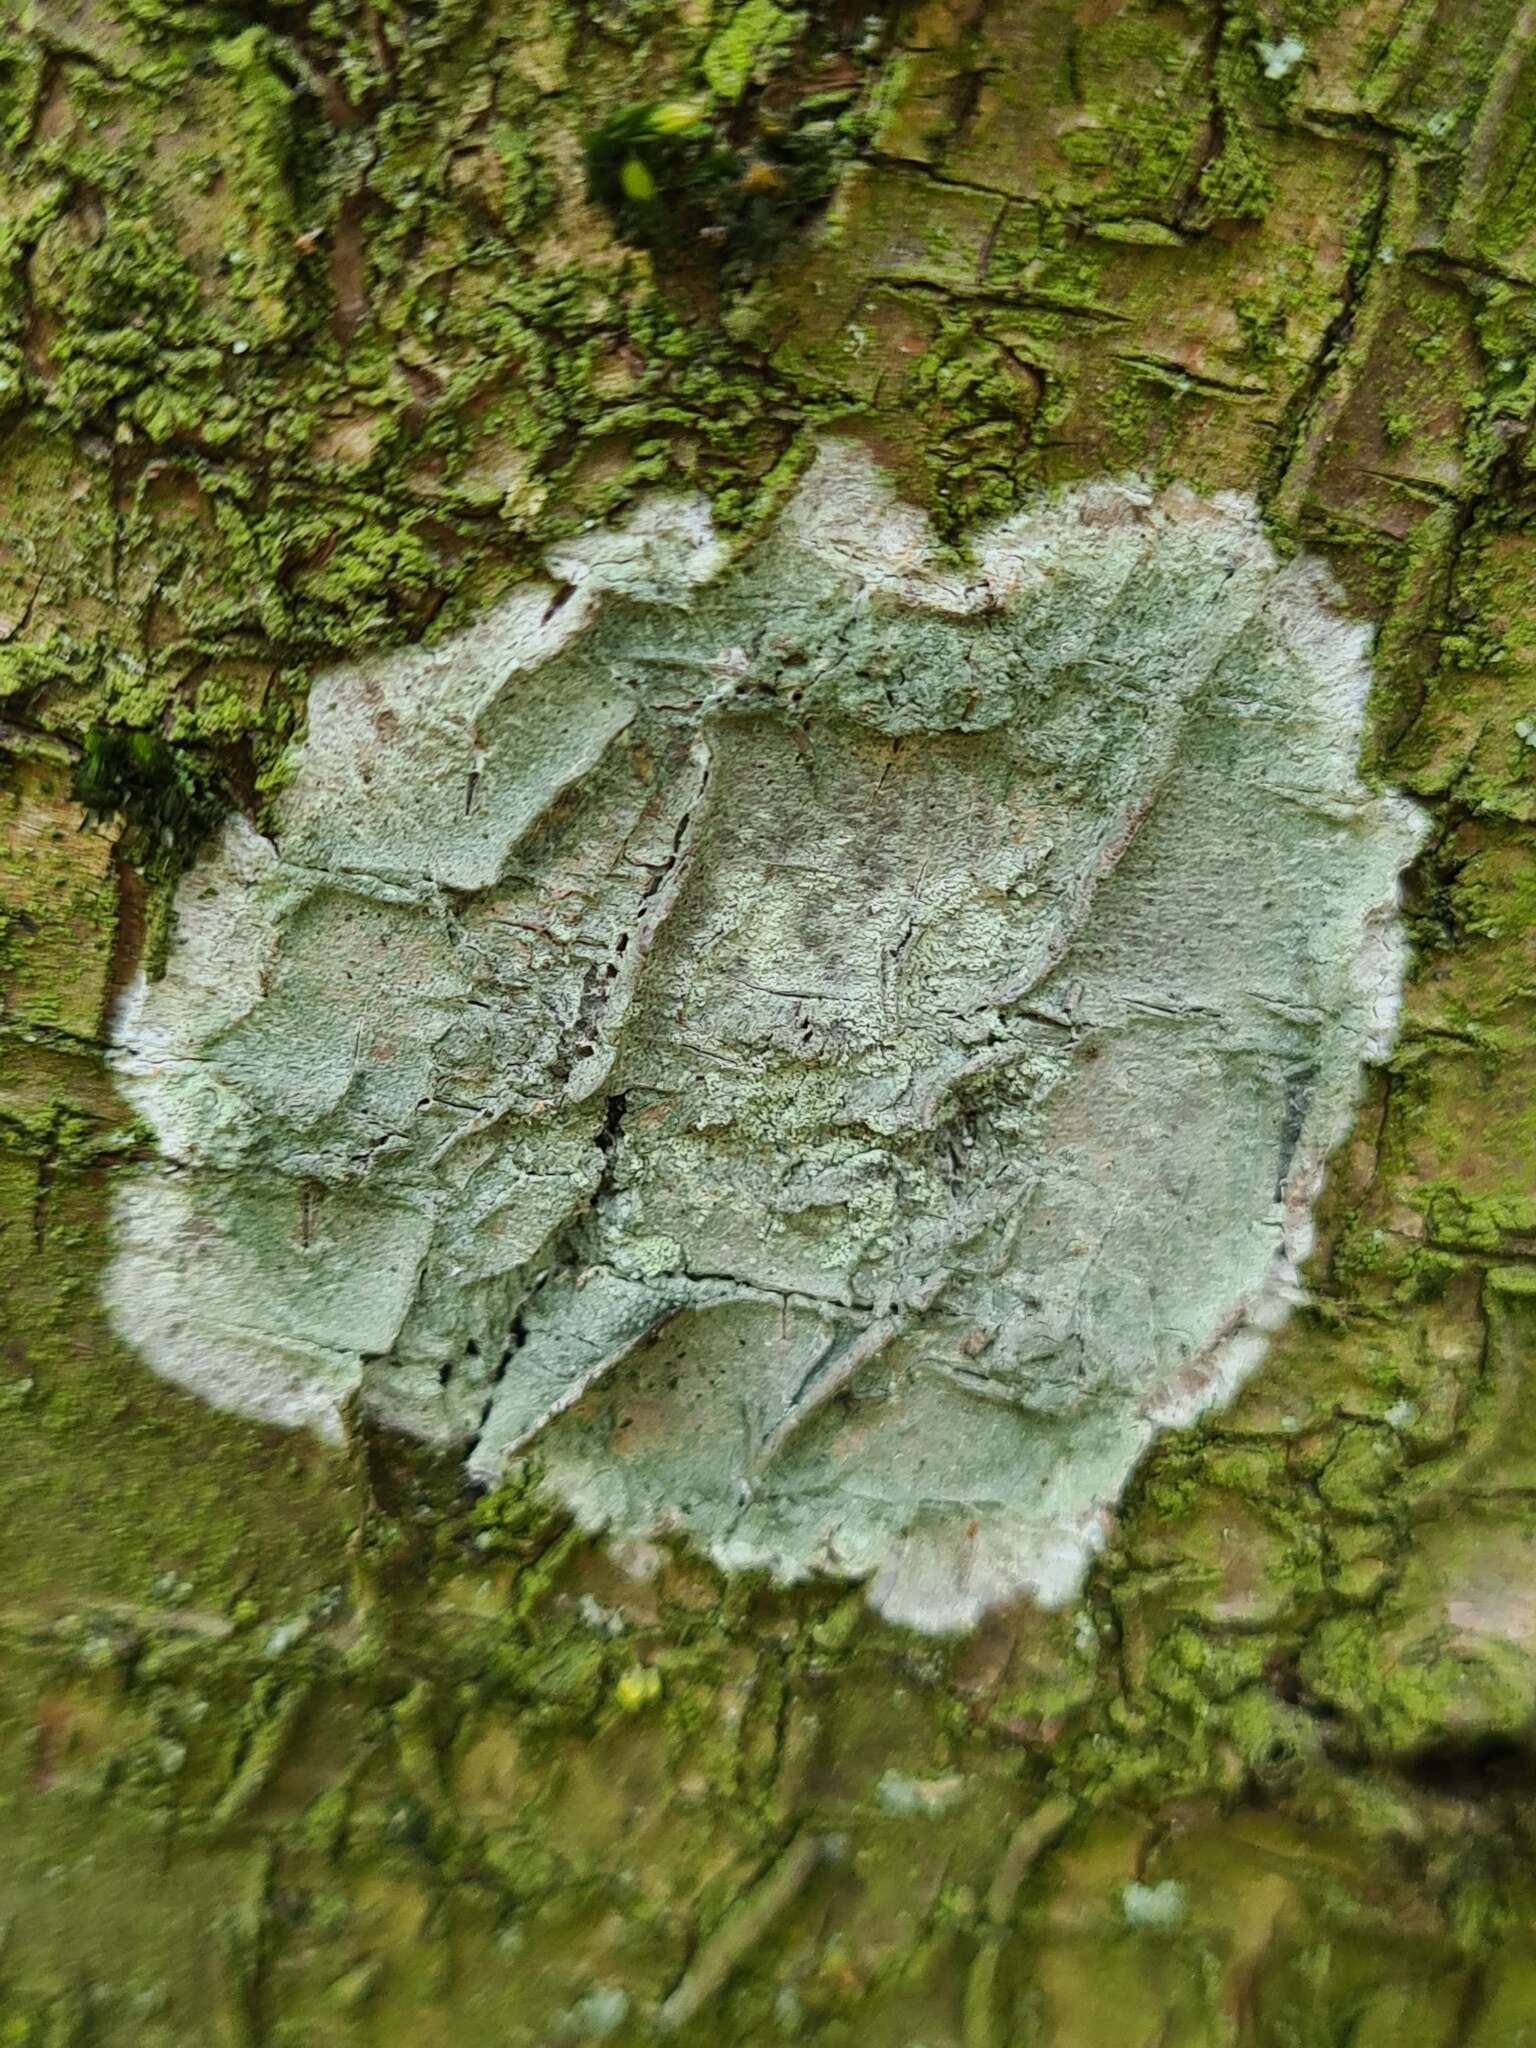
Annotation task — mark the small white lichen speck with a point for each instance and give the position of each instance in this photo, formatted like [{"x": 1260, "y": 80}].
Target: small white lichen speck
[
  {"x": 826, "y": 1051},
  {"x": 1281, "y": 57}
]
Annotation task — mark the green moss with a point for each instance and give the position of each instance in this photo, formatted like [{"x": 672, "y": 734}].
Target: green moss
[
  {"x": 1237, "y": 184},
  {"x": 165, "y": 799},
  {"x": 263, "y": 247},
  {"x": 1469, "y": 1222},
  {"x": 748, "y": 46}
]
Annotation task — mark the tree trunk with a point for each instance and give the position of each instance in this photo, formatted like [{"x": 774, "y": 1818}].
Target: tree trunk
[{"x": 321, "y": 326}]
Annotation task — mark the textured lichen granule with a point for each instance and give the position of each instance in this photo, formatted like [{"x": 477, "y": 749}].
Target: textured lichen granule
[{"x": 827, "y": 1050}]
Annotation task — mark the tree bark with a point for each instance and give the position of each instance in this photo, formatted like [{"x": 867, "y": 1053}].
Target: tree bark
[{"x": 320, "y": 326}]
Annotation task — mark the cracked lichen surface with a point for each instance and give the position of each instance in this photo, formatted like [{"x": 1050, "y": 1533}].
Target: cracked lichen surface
[{"x": 826, "y": 1050}]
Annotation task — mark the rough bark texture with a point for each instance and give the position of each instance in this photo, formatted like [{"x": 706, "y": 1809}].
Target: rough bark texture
[{"x": 312, "y": 341}]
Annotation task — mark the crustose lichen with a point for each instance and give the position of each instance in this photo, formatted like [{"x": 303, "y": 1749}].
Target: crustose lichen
[{"x": 822, "y": 1050}]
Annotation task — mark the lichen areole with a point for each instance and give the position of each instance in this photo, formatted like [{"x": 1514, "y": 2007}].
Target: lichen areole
[{"x": 823, "y": 1050}]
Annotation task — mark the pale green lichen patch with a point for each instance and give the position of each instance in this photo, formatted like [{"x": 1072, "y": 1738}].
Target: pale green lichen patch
[{"x": 827, "y": 1050}]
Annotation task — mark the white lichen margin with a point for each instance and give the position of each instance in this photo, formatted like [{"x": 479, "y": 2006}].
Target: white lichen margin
[{"x": 826, "y": 1051}]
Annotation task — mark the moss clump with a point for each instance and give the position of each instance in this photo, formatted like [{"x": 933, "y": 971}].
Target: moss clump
[
  {"x": 651, "y": 165},
  {"x": 167, "y": 799},
  {"x": 674, "y": 180}
]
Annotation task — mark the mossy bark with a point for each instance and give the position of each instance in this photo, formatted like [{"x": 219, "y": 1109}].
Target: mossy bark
[{"x": 310, "y": 341}]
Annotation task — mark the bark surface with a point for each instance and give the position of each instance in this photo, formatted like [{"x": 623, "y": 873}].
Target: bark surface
[{"x": 319, "y": 328}]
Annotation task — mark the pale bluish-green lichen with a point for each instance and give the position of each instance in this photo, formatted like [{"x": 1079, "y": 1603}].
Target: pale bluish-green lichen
[{"x": 828, "y": 1050}]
